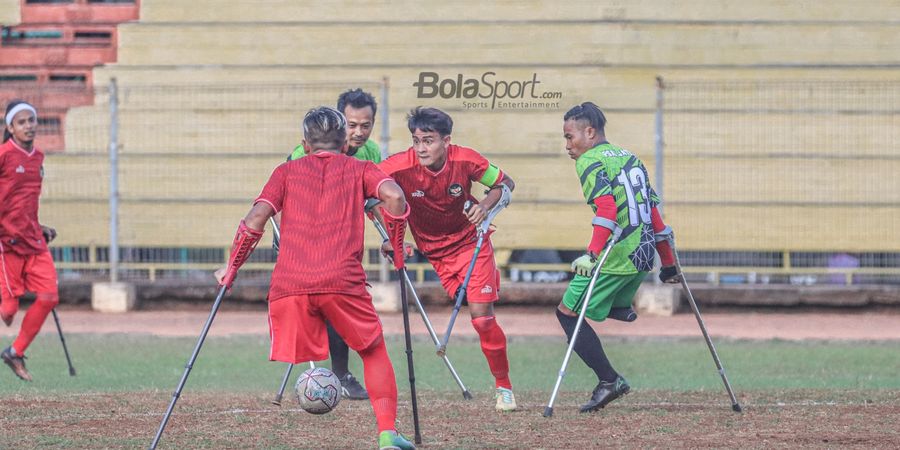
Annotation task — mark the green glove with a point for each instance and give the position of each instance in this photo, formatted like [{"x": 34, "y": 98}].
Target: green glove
[{"x": 584, "y": 264}]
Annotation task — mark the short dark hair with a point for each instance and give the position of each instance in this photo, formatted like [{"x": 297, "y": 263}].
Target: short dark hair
[
  {"x": 6, "y": 134},
  {"x": 358, "y": 99},
  {"x": 589, "y": 113},
  {"x": 324, "y": 126},
  {"x": 429, "y": 119}
]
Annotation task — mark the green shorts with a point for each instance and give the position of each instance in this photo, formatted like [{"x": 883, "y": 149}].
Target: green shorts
[{"x": 611, "y": 291}]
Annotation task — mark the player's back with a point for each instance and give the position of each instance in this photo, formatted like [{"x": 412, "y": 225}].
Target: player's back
[{"x": 322, "y": 223}]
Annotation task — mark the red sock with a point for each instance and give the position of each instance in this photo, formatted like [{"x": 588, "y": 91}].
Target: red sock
[
  {"x": 381, "y": 384},
  {"x": 34, "y": 320},
  {"x": 493, "y": 344}
]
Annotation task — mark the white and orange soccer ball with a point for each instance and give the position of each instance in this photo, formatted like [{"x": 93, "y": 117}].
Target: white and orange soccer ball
[{"x": 318, "y": 390}]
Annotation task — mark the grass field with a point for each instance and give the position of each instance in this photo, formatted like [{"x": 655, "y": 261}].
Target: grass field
[{"x": 795, "y": 394}]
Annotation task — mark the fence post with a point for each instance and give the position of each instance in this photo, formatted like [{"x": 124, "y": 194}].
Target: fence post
[
  {"x": 659, "y": 141},
  {"x": 383, "y": 273},
  {"x": 113, "y": 181}
]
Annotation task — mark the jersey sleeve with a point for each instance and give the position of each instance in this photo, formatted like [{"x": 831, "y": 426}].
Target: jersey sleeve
[
  {"x": 595, "y": 182},
  {"x": 394, "y": 163},
  {"x": 273, "y": 191},
  {"x": 373, "y": 176},
  {"x": 480, "y": 169}
]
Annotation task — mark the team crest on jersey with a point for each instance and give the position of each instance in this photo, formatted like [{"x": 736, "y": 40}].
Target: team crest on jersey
[
  {"x": 20, "y": 169},
  {"x": 455, "y": 190}
]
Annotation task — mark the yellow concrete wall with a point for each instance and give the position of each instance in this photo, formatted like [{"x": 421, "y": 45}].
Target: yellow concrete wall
[
  {"x": 9, "y": 12},
  {"x": 512, "y": 10},
  {"x": 608, "y": 52}
]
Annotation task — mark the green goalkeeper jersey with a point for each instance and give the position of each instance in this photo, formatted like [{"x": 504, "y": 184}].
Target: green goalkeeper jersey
[
  {"x": 610, "y": 170},
  {"x": 368, "y": 152}
]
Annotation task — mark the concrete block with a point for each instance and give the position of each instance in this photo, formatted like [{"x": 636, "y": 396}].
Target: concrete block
[
  {"x": 386, "y": 297},
  {"x": 658, "y": 299},
  {"x": 113, "y": 297}
]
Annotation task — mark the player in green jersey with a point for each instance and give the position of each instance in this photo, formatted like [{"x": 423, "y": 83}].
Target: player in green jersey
[
  {"x": 616, "y": 186},
  {"x": 359, "y": 108}
]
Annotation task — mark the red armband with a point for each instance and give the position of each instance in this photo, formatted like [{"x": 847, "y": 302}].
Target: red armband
[
  {"x": 396, "y": 229},
  {"x": 245, "y": 241},
  {"x": 606, "y": 210},
  {"x": 663, "y": 247}
]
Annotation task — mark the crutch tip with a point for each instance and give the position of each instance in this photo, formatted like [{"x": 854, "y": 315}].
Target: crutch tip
[
  {"x": 277, "y": 401},
  {"x": 467, "y": 395},
  {"x": 548, "y": 411},
  {"x": 737, "y": 407},
  {"x": 71, "y": 372}
]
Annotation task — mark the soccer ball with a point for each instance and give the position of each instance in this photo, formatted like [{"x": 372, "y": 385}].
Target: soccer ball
[{"x": 318, "y": 390}]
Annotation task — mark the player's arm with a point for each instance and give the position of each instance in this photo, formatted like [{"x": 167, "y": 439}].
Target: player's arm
[
  {"x": 495, "y": 179},
  {"x": 603, "y": 224},
  {"x": 668, "y": 273},
  {"x": 394, "y": 214},
  {"x": 247, "y": 236},
  {"x": 49, "y": 233}
]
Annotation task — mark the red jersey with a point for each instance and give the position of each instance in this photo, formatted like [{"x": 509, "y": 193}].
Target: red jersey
[
  {"x": 436, "y": 199},
  {"x": 321, "y": 199},
  {"x": 21, "y": 173}
]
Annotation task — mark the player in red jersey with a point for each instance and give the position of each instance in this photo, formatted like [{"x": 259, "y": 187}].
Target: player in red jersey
[
  {"x": 437, "y": 177},
  {"x": 319, "y": 275},
  {"x": 25, "y": 261}
]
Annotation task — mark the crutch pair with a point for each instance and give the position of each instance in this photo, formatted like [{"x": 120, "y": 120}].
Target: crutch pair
[{"x": 610, "y": 243}]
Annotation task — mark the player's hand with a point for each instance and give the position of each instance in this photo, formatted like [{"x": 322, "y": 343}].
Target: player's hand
[
  {"x": 388, "y": 250},
  {"x": 584, "y": 264},
  {"x": 670, "y": 275},
  {"x": 476, "y": 214},
  {"x": 49, "y": 233},
  {"x": 223, "y": 276}
]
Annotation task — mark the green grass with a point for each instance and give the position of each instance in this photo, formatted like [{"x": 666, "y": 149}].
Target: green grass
[{"x": 128, "y": 363}]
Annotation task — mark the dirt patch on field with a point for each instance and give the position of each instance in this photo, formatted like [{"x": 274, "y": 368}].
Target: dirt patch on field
[{"x": 863, "y": 419}]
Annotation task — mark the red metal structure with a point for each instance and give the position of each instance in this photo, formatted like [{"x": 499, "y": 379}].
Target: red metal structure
[{"x": 47, "y": 59}]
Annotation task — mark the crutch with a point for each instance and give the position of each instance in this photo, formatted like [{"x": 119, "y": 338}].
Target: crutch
[
  {"x": 434, "y": 338},
  {"x": 190, "y": 364},
  {"x": 610, "y": 243},
  {"x": 63, "y": 340},
  {"x": 482, "y": 232},
  {"x": 735, "y": 406},
  {"x": 287, "y": 374},
  {"x": 404, "y": 300}
]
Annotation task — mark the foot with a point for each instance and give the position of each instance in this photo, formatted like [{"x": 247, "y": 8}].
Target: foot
[
  {"x": 16, "y": 363},
  {"x": 606, "y": 392},
  {"x": 392, "y": 440},
  {"x": 506, "y": 400},
  {"x": 351, "y": 389},
  {"x": 624, "y": 314}
]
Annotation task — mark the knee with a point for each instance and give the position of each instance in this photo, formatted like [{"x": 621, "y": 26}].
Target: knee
[
  {"x": 373, "y": 347},
  {"x": 483, "y": 324},
  {"x": 564, "y": 310}
]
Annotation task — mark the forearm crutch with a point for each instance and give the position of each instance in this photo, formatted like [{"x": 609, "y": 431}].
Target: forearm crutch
[
  {"x": 428, "y": 326},
  {"x": 63, "y": 340},
  {"x": 610, "y": 243},
  {"x": 404, "y": 300},
  {"x": 189, "y": 365},
  {"x": 482, "y": 232},
  {"x": 735, "y": 406}
]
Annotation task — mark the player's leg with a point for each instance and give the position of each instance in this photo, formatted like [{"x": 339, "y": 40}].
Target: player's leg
[
  {"x": 356, "y": 322},
  {"x": 482, "y": 292},
  {"x": 587, "y": 345},
  {"x": 340, "y": 353},
  {"x": 40, "y": 278}
]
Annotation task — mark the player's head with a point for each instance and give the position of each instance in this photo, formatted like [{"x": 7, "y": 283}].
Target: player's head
[
  {"x": 359, "y": 108},
  {"x": 21, "y": 123},
  {"x": 324, "y": 129},
  {"x": 583, "y": 128},
  {"x": 430, "y": 128}
]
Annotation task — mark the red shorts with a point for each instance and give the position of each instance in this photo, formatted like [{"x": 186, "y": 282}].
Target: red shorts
[
  {"x": 484, "y": 286},
  {"x": 20, "y": 274},
  {"x": 297, "y": 325}
]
